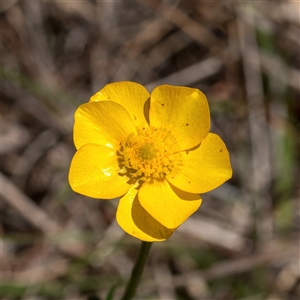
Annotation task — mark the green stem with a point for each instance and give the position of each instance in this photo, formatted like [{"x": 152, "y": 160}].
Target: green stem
[{"x": 137, "y": 271}]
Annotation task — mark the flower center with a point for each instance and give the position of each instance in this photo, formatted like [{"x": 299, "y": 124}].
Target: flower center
[
  {"x": 147, "y": 155},
  {"x": 147, "y": 151}
]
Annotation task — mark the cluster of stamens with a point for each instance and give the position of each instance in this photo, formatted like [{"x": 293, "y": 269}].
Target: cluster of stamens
[{"x": 146, "y": 155}]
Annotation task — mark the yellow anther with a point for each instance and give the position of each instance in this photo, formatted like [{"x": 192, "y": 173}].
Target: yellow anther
[
  {"x": 165, "y": 161},
  {"x": 146, "y": 155}
]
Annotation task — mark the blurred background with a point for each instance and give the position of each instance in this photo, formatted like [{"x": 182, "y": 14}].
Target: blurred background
[{"x": 243, "y": 243}]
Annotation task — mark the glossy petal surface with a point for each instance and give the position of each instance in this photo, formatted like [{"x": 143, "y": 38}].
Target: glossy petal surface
[
  {"x": 105, "y": 123},
  {"x": 136, "y": 221},
  {"x": 167, "y": 204},
  {"x": 94, "y": 173},
  {"x": 182, "y": 110},
  {"x": 204, "y": 168},
  {"x": 132, "y": 96}
]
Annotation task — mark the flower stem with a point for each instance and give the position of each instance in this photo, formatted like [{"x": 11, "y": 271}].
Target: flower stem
[{"x": 137, "y": 271}]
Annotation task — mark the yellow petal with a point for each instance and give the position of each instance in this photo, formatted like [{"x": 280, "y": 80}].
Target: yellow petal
[
  {"x": 182, "y": 110},
  {"x": 134, "y": 220},
  {"x": 94, "y": 173},
  {"x": 167, "y": 204},
  {"x": 131, "y": 95},
  {"x": 204, "y": 168},
  {"x": 105, "y": 123}
]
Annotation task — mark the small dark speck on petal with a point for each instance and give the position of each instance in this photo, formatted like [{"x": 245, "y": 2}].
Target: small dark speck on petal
[
  {"x": 186, "y": 152},
  {"x": 221, "y": 150},
  {"x": 186, "y": 124},
  {"x": 162, "y": 104}
]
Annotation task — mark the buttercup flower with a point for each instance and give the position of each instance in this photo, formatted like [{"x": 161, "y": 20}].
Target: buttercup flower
[{"x": 154, "y": 151}]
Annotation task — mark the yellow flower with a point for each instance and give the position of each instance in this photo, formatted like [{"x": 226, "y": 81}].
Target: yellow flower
[{"x": 154, "y": 151}]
